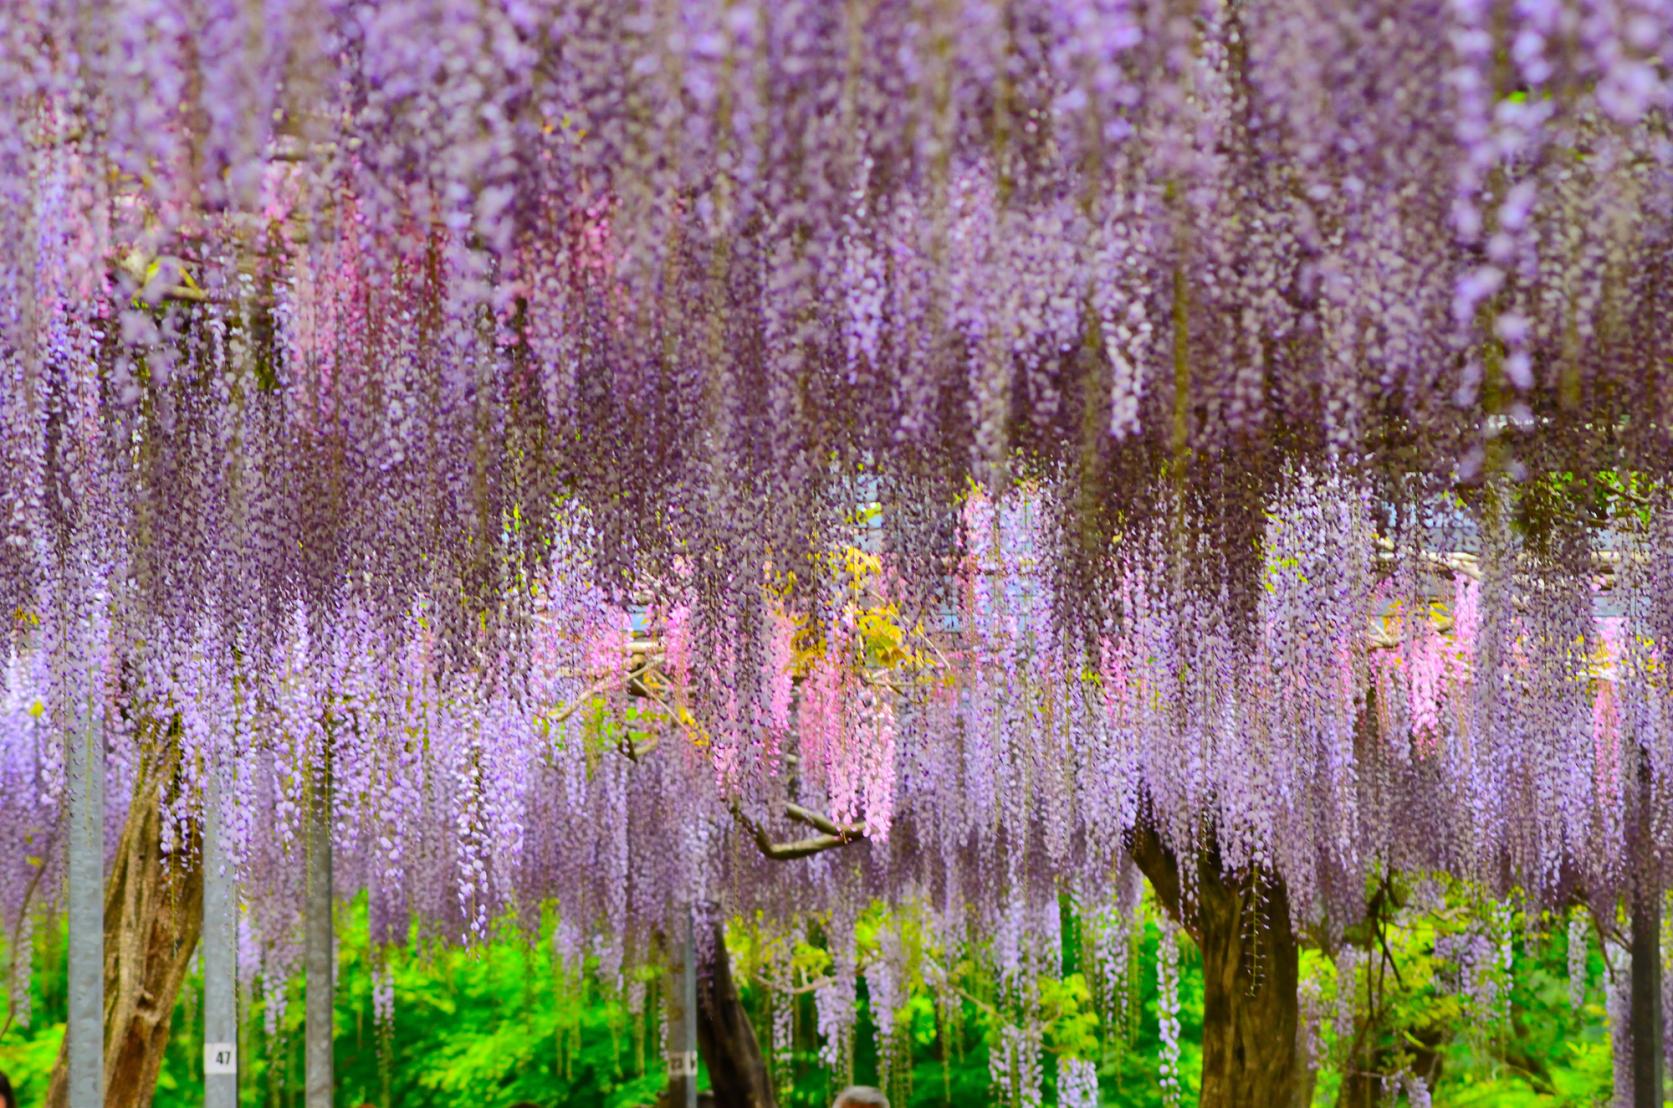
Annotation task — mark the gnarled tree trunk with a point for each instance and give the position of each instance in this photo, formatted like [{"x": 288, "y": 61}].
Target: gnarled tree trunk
[
  {"x": 1644, "y": 909},
  {"x": 153, "y": 913},
  {"x": 1251, "y": 967},
  {"x": 726, "y": 1039},
  {"x": 737, "y": 1071}
]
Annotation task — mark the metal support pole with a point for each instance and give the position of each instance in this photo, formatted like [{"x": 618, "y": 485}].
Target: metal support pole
[
  {"x": 220, "y": 957},
  {"x": 319, "y": 956},
  {"x": 86, "y": 1027},
  {"x": 682, "y": 1020}
]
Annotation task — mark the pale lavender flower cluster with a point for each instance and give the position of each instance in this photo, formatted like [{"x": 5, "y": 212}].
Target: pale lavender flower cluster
[
  {"x": 1016, "y": 1066},
  {"x": 1167, "y": 1013},
  {"x": 1077, "y": 1083},
  {"x": 1477, "y": 971},
  {"x": 1415, "y": 1088},
  {"x": 1579, "y": 974}
]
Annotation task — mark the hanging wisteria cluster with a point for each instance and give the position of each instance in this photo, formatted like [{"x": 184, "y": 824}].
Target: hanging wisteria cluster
[
  {"x": 616, "y": 450},
  {"x": 313, "y": 296},
  {"x": 976, "y": 769}
]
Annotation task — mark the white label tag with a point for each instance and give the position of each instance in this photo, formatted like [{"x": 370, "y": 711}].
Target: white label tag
[
  {"x": 220, "y": 1058},
  {"x": 682, "y": 1063}
]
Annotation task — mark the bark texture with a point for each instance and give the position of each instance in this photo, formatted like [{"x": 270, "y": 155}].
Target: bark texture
[
  {"x": 737, "y": 1071},
  {"x": 1251, "y": 967},
  {"x": 153, "y": 914},
  {"x": 1644, "y": 995},
  {"x": 1645, "y": 1000}
]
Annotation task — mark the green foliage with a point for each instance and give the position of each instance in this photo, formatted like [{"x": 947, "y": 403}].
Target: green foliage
[
  {"x": 489, "y": 1026},
  {"x": 27, "y": 1059},
  {"x": 1127, "y": 1072},
  {"x": 1071, "y": 1023},
  {"x": 27, "y": 1053},
  {"x": 1410, "y": 1011},
  {"x": 499, "y": 1024}
]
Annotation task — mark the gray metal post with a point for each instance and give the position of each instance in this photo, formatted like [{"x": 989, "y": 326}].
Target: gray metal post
[
  {"x": 320, "y": 962},
  {"x": 220, "y": 956},
  {"x": 682, "y": 1020},
  {"x": 87, "y": 914}
]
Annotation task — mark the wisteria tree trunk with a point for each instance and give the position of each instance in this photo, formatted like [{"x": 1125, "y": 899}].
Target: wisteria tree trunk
[
  {"x": 1645, "y": 1000},
  {"x": 737, "y": 1071},
  {"x": 1644, "y": 997},
  {"x": 153, "y": 914},
  {"x": 1251, "y": 968}
]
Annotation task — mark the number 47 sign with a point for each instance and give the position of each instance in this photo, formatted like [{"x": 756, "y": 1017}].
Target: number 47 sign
[{"x": 220, "y": 1058}]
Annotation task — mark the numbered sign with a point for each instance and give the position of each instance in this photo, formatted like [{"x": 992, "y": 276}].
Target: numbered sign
[
  {"x": 682, "y": 1063},
  {"x": 220, "y": 1058}
]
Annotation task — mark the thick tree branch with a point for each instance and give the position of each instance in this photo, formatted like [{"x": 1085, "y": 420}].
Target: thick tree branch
[
  {"x": 822, "y": 823},
  {"x": 1160, "y": 867},
  {"x": 835, "y": 834}
]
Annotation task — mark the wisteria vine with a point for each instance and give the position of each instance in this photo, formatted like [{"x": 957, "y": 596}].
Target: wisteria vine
[{"x": 921, "y": 441}]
